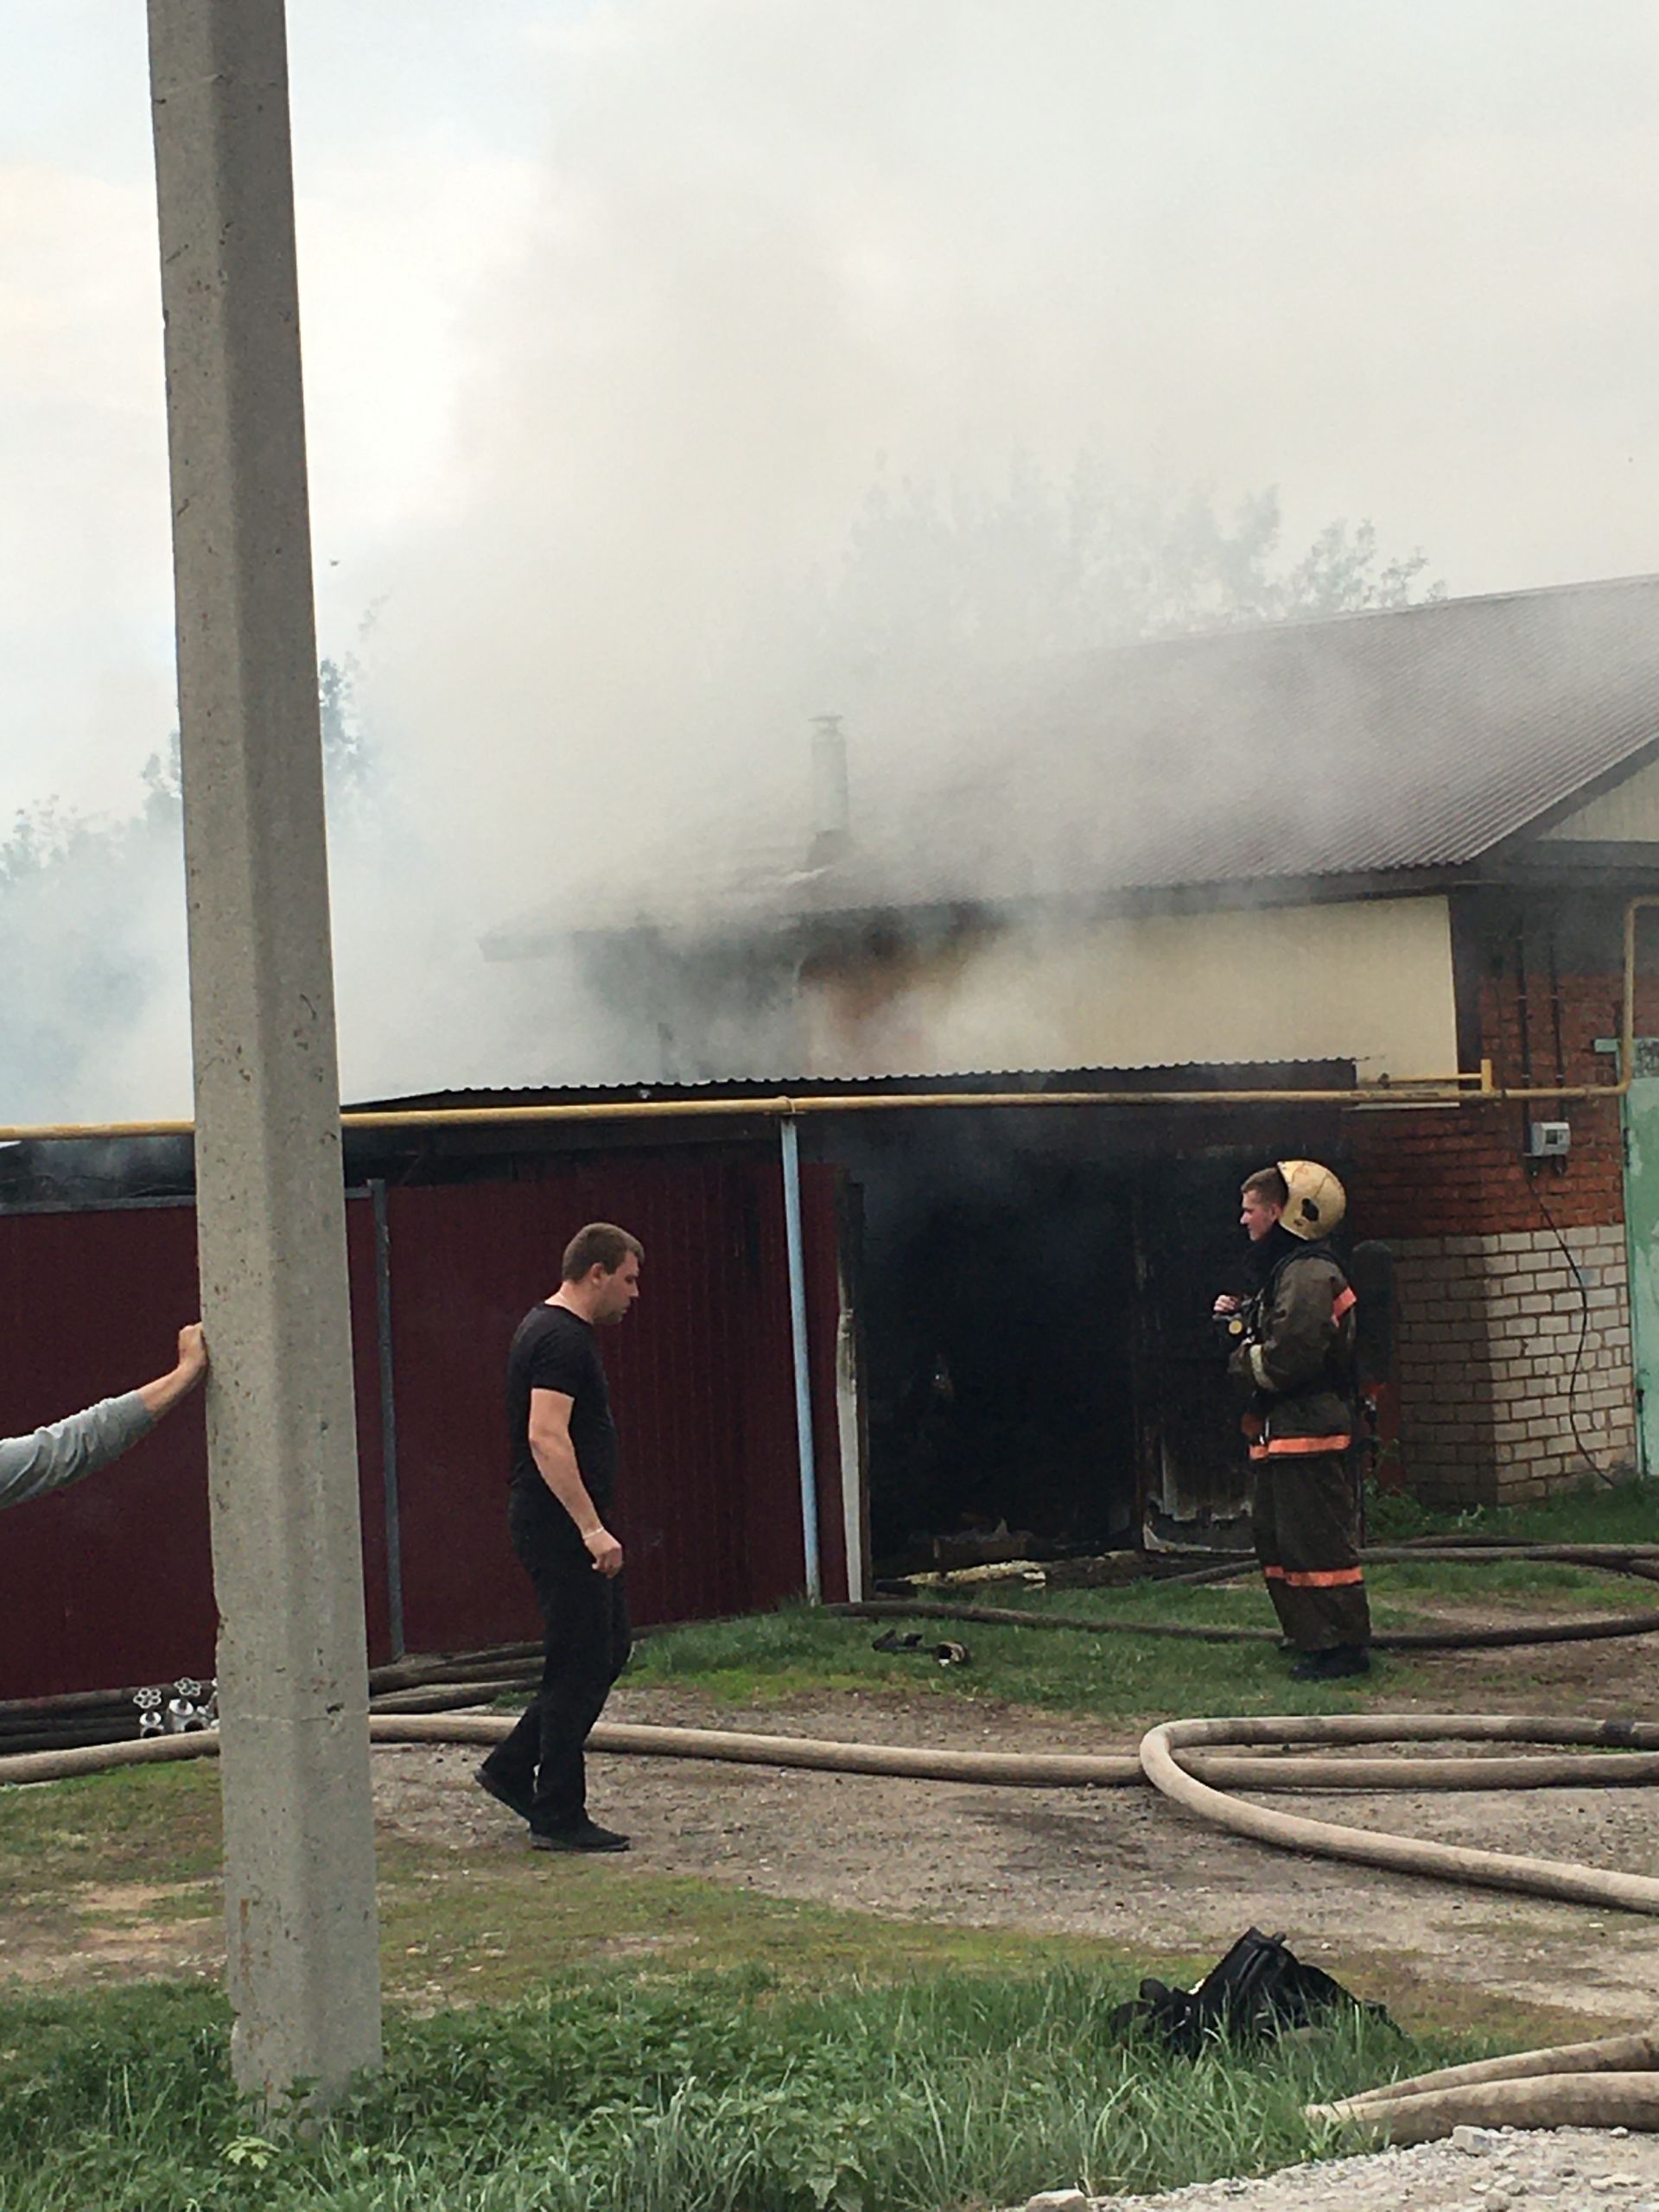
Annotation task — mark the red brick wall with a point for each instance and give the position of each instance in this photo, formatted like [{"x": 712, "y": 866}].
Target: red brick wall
[{"x": 1459, "y": 1170}]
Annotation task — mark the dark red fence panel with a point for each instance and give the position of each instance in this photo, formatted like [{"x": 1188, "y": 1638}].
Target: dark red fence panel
[
  {"x": 371, "y": 1458},
  {"x": 111, "y": 1582},
  {"x": 700, "y": 1373}
]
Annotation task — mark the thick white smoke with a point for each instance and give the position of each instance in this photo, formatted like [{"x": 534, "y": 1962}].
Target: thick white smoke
[{"x": 762, "y": 255}]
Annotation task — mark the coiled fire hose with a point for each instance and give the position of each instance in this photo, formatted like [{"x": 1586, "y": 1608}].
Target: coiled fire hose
[{"x": 1196, "y": 1764}]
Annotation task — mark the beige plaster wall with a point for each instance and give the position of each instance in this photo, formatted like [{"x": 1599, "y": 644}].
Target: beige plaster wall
[{"x": 1369, "y": 981}]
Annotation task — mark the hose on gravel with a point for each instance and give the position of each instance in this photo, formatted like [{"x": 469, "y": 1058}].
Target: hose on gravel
[
  {"x": 1545, "y": 1877},
  {"x": 1199, "y": 1784},
  {"x": 1611, "y": 2083},
  {"x": 1265, "y": 1768},
  {"x": 1601, "y": 2085}
]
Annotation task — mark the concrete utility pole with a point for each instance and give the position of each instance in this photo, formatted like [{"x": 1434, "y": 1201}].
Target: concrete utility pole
[{"x": 299, "y": 1844}]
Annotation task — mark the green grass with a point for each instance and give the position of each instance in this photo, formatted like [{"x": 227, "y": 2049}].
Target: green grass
[
  {"x": 1591, "y": 1512},
  {"x": 151, "y": 1825},
  {"x": 607, "y": 2093},
  {"x": 498, "y": 1928},
  {"x": 1115, "y": 1676}
]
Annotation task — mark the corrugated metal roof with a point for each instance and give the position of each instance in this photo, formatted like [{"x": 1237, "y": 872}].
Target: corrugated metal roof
[
  {"x": 1197, "y": 1075},
  {"x": 1412, "y": 740}
]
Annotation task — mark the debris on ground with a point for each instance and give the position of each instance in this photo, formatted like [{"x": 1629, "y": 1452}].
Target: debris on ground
[
  {"x": 947, "y": 1653},
  {"x": 1258, "y": 1990}
]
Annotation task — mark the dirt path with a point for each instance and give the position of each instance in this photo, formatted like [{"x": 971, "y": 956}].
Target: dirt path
[{"x": 1119, "y": 1864}]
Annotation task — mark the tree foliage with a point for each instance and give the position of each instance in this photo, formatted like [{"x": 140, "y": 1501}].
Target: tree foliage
[
  {"x": 348, "y": 759},
  {"x": 1043, "y": 565},
  {"x": 92, "y": 922}
]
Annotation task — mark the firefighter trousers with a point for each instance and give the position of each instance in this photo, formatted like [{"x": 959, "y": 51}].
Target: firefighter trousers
[{"x": 1305, "y": 1524}]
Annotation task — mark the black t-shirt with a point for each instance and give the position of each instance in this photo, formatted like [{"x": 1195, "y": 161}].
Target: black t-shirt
[{"x": 554, "y": 1350}]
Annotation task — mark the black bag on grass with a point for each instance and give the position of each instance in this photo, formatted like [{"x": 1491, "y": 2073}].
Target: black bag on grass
[{"x": 1257, "y": 1990}]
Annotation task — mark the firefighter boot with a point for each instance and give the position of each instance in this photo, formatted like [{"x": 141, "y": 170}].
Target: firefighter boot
[{"x": 1333, "y": 1664}]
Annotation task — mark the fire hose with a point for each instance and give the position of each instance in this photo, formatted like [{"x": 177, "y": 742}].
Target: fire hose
[
  {"x": 1613, "y": 2083},
  {"x": 1595, "y": 2085},
  {"x": 1196, "y": 1764}
]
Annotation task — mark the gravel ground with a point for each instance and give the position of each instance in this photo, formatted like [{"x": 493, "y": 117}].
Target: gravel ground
[
  {"x": 1476, "y": 2171},
  {"x": 1121, "y": 1865},
  {"x": 1127, "y": 1867}
]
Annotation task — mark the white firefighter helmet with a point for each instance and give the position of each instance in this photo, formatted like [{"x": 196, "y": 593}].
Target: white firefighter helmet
[{"x": 1317, "y": 1201}]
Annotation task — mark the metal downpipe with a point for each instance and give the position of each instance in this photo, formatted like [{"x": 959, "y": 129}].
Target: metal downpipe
[{"x": 789, "y": 1153}]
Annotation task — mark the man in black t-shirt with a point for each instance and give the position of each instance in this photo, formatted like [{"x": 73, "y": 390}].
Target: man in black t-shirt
[{"x": 562, "y": 1485}]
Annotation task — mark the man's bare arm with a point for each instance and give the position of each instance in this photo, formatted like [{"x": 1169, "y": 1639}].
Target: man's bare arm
[{"x": 556, "y": 1461}]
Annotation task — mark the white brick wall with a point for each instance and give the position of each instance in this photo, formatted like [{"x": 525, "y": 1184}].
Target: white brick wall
[{"x": 1499, "y": 1397}]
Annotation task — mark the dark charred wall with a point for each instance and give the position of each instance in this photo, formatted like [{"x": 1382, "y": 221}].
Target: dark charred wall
[{"x": 1036, "y": 1295}]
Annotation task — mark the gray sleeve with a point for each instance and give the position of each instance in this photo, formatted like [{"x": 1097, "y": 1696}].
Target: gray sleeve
[{"x": 55, "y": 1457}]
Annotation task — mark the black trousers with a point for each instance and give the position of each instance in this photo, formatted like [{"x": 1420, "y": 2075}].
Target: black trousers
[{"x": 586, "y": 1645}]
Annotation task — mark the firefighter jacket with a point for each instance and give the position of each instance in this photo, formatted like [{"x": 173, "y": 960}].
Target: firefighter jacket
[{"x": 1297, "y": 1360}]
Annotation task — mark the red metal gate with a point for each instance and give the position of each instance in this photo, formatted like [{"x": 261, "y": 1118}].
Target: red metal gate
[
  {"x": 701, "y": 1379},
  {"x": 111, "y": 1583}
]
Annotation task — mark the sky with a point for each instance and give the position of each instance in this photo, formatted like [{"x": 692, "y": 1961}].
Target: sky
[{"x": 613, "y": 310}]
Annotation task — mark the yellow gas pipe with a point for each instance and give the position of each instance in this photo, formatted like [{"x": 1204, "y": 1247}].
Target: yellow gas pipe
[{"x": 1413, "y": 1091}]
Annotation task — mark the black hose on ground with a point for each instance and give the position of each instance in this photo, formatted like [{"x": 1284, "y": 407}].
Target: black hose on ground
[
  {"x": 1639, "y": 1562},
  {"x": 1469, "y": 1639}
]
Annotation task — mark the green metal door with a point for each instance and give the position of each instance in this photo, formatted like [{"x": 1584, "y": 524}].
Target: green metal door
[{"x": 1642, "y": 1231}]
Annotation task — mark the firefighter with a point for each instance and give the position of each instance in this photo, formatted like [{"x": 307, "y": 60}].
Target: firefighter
[{"x": 1295, "y": 1359}]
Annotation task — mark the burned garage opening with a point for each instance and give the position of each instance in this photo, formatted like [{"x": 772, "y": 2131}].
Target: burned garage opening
[
  {"x": 1039, "y": 1370},
  {"x": 998, "y": 1276}
]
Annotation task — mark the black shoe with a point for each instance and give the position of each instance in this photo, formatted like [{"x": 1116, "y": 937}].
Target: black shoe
[
  {"x": 1333, "y": 1664},
  {"x": 586, "y": 1835},
  {"x": 514, "y": 1795}
]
